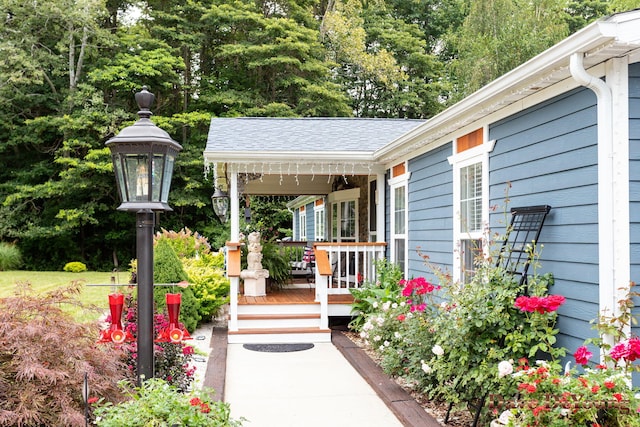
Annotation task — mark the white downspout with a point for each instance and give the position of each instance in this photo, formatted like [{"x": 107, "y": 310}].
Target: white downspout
[
  {"x": 381, "y": 233},
  {"x": 613, "y": 182}
]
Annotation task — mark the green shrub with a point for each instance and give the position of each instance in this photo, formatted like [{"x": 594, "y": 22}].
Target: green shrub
[
  {"x": 45, "y": 355},
  {"x": 10, "y": 257},
  {"x": 157, "y": 403},
  {"x": 168, "y": 269},
  {"x": 209, "y": 283},
  {"x": 75, "y": 267},
  {"x": 367, "y": 298}
]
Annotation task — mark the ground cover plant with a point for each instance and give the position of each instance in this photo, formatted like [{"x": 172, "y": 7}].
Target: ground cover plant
[{"x": 157, "y": 403}]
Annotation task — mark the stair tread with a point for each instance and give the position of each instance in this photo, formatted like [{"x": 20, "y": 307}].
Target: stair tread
[
  {"x": 302, "y": 330},
  {"x": 266, "y": 316}
]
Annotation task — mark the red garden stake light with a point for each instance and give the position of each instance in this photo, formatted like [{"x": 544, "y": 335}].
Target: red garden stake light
[
  {"x": 175, "y": 332},
  {"x": 115, "y": 333}
]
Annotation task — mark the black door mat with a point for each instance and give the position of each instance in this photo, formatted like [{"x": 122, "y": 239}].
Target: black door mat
[{"x": 278, "y": 348}]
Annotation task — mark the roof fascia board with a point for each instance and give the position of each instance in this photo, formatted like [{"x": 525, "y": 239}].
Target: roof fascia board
[
  {"x": 547, "y": 63},
  {"x": 266, "y": 156},
  {"x": 301, "y": 201}
]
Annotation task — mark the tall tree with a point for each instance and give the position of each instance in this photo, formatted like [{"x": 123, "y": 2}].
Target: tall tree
[
  {"x": 499, "y": 35},
  {"x": 265, "y": 64},
  {"x": 383, "y": 62}
]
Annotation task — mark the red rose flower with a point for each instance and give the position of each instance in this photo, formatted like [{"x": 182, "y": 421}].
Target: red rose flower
[{"x": 582, "y": 355}]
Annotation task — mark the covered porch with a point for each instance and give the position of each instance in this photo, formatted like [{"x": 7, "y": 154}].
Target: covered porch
[{"x": 329, "y": 163}]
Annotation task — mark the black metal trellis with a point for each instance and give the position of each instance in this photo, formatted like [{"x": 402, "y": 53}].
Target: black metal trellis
[{"x": 522, "y": 236}]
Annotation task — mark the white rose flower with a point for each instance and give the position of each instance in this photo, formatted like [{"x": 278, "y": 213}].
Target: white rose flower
[
  {"x": 437, "y": 350},
  {"x": 397, "y": 335},
  {"x": 394, "y": 305},
  {"x": 505, "y": 368},
  {"x": 377, "y": 338},
  {"x": 426, "y": 368},
  {"x": 505, "y": 417},
  {"x": 375, "y": 304}
]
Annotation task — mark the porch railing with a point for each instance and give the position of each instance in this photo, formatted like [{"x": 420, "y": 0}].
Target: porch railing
[
  {"x": 351, "y": 264},
  {"x": 342, "y": 266}
]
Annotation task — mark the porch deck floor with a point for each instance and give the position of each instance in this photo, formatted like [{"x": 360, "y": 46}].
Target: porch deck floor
[{"x": 292, "y": 296}]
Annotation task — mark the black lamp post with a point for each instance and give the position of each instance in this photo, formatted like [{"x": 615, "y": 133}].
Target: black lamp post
[{"x": 143, "y": 158}]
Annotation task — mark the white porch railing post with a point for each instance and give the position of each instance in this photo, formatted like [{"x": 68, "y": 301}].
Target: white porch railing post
[
  {"x": 321, "y": 288},
  {"x": 234, "y": 283}
]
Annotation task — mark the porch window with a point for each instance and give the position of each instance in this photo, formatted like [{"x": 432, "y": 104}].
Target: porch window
[
  {"x": 399, "y": 247},
  {"x": 302, "y": 220},
  {"x": 344, "y": 215},
  {"x": 319, "y": 220},
  {"x": 470, "y": 175}
]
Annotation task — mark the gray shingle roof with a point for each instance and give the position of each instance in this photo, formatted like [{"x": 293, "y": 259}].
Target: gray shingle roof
[{"x": 254, "y": 134}]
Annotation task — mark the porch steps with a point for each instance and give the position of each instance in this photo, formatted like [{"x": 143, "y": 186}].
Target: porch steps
[{"x": 265, "y": 322}]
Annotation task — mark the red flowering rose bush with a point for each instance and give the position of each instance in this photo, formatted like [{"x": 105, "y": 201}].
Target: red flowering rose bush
[
  {"x": 551, "y": 396},
  {"x": 446, "y": 338},
  {"x": 157, "y": 403},
  {"x": 589, "y": 394}
]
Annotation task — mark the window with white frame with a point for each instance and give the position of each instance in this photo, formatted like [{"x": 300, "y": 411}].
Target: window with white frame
[
  {"x": 471, "y": 199},
  {"x": 398, "y": 185},
  {"x": 344, "y": 215},
  {"x": 302, "y": 221},
  {"x": 319, "y": 220}
]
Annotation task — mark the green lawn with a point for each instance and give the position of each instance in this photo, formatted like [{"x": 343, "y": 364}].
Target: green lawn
[{"x": 43, "y": 281}]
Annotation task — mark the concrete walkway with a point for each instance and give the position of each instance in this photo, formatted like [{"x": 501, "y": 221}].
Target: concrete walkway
[{"x": 315, "y": 387}]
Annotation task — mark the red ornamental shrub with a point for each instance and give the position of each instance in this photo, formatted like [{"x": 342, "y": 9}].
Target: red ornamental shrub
[{"x": 45, "y": 355}]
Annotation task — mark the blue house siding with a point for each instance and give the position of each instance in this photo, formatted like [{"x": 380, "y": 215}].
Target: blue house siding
[
  {"x": 547, "y": 155},
  {"x": 430, "y": 198},
  {"x": 310, "y": 228},
  {"x": 634, "y": 180}
]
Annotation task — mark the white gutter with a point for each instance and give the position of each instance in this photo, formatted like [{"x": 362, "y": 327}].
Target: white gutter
[{"x": 613, "y": 181}]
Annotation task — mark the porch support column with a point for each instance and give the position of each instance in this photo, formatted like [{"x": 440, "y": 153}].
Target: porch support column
[
  {"x": 235, "y": 207},
  {"x": 381, "y": 233}
]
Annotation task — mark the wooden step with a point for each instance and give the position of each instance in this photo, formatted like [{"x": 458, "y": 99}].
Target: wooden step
[
  {"x": 278, "y": 316},
  {"x": 276, "y": 331}
]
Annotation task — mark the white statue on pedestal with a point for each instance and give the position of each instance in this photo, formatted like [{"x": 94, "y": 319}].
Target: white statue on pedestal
[{"x": 254, "y": 276}]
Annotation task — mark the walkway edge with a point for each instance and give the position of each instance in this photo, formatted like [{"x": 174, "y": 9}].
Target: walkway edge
[
  {"x": 403, "y": 406},
  {"x": 217, "y": 366}
]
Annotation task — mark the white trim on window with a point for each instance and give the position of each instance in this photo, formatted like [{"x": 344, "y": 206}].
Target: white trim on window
[
  {"x": 302, "y": 220},
  {"x": 399, "y": 220},
  {"x": 319, "y": 217},
  {"x": 462, "y": 238}
]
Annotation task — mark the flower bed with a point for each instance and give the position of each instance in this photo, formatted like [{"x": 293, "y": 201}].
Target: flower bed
[{"x": 457, "y": 344}]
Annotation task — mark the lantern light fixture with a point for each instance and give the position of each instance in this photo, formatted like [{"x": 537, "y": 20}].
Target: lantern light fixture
[
  {"x": 220, "y": 201},
  {"x": 143, "y": 158}
]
